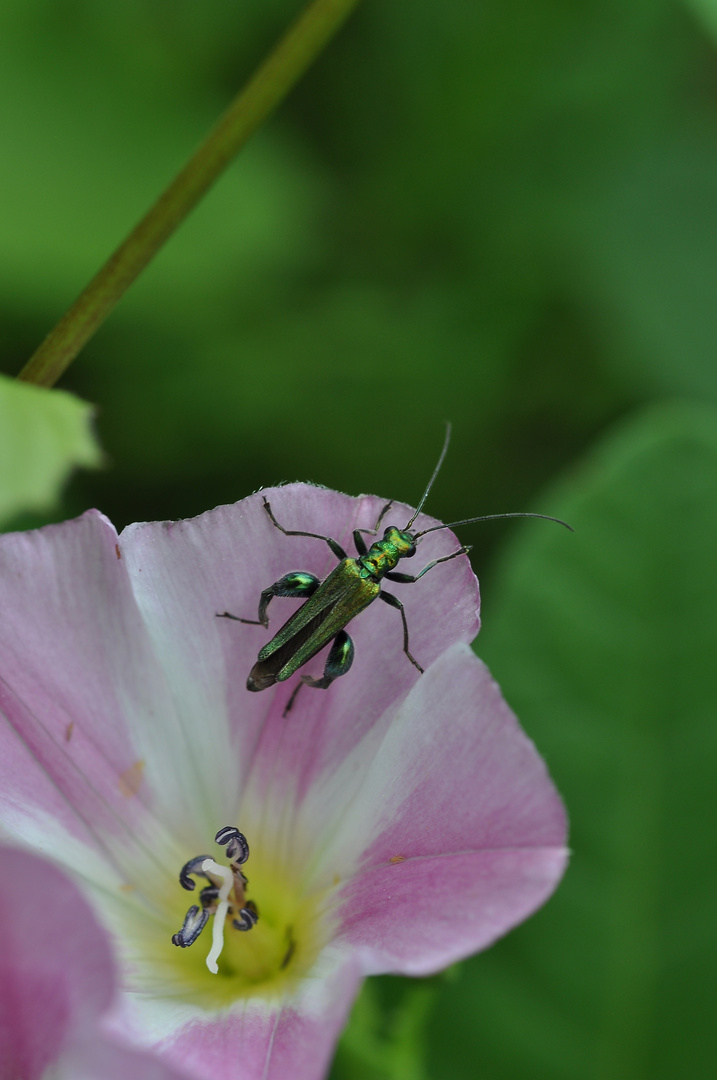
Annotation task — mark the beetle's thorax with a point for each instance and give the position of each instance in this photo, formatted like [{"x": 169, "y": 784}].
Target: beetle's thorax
[{"x": 385, "y": 554}]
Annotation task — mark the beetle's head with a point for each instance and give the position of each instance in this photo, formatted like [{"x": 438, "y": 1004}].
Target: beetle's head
[{"x": 402, "y": 540}]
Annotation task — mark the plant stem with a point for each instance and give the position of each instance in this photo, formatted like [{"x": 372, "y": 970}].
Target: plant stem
[{"x": 268, "y": 86}]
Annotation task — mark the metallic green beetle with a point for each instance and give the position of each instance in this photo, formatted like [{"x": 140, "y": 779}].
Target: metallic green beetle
[{"x": 331, "y": 604}]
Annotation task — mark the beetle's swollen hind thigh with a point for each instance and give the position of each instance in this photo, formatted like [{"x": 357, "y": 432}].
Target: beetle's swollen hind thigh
[
  {"x": 299, "y": 584},
  {"x": 338, "y": 662}
]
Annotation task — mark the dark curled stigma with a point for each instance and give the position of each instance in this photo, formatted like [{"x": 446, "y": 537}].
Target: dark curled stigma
[
  {"x": 236, "y": 844},
  {"x": 194, "y": 866}
]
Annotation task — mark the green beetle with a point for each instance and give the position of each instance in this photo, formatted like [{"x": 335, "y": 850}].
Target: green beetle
[{"x": 350, "y": 587}]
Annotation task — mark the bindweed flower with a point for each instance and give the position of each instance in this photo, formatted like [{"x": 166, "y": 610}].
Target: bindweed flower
[
  {"x": 395, "y": 822},
  {"x": 57, "y": 978}
]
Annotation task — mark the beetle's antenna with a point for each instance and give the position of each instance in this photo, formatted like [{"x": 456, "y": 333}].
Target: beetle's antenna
[
  {"x": 435, "y": 474},
  {"x": 491, "y": 517}
]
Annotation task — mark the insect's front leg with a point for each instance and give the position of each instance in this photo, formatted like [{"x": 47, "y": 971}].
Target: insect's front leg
[
  {"x": 359, "y": 541},
  {"x": 335, "y": 547},
  {"x": 408, "y": 579},
  {"x": 393, "y": 601},
  {"x": 338, "y": 662},
  {"x": 298, "y": 584}
]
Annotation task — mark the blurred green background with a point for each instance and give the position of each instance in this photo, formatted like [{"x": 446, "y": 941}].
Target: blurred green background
[{"x": 498, "y": 212}]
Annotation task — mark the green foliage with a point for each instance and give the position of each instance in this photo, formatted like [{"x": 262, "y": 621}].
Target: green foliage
[
  {"x": 86, "y": 163},
  {"x": 604, "y": 643},
  {"x": 385, "y": 1037},
  {"x": 44, "y": 434},
  {"x": 706, "y": 10}
]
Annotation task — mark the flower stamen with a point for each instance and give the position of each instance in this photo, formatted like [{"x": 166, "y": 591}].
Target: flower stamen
[
  {"x": 194, "y": 922},
  {"x": 224, "y": 896},
  {"x": 194, "y": 866},
  {"x": 249, "y": 917},
  {"x": 236, "y": 843}
]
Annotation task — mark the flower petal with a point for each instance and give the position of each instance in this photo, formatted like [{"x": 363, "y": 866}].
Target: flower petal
[
  {"x": 291, "y": 1039},
  {"x": 57, "y": 979},
  {"x": 420, "y": 915},
  {"x": 100, "y": 1059},
  {"x": 454, "y": 832},
  {"x": 186, "y": 572},
  {"x": 123, "y": 695},
  {"x": 59, "y": 584},
  {"x": 85, "y": 709},
  {"x": 359, "y": 791},
  {"x": 56, "y": 971}
]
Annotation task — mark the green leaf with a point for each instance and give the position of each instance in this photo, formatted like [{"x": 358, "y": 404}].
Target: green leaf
[
  {"x": 384, "y": 1039},
  {"x": 44, "y": 434},
  {"x": 648, "y": 268},
  {"x": 706, "y": 12},
  {"x": 605, "y": 644}
]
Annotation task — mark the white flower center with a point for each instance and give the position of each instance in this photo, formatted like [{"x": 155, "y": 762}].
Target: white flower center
[
  {"x": 222, "y": 897},
  {"x": 279, "y": 936}
]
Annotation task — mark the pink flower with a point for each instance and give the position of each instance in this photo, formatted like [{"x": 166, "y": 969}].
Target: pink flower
[
  {"x": 396, "y": 821},
  {"x": 57, "y": 978}
]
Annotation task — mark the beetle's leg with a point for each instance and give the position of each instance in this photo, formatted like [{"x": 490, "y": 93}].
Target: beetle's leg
[
  {"x": 336, "y": 548},
  {"x": 408, "y": 579},
  {"x": 251, "y": 622},
  {"x": 290, "y": 703},
  {"x": 338, "y": 662},
  {"x": 298, "y": 584},
  {"x": 358, "y": 538},
  {"x": 381, "y": 516},
  {"x": 393, "y": 601},
  {"x": 359, "y": 542}
]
